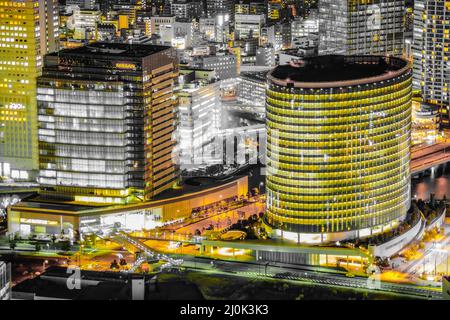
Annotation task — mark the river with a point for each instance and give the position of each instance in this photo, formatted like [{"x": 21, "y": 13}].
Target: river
[{"x": 438, "y": 183}]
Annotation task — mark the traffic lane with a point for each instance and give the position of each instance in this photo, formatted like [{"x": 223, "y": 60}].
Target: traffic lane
[{"x": 316, "y": 277}]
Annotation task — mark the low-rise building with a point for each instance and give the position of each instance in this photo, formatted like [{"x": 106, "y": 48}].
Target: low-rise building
[
  {"x": 75, "y": 220},
  {"x": 224, "y": 64}
]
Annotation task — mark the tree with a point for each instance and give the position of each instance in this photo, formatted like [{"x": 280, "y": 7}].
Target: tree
[
  {"x": 114, "y": 265},
  {"x": 301, "y": 296},
  {"x": 66, "y": 246}
]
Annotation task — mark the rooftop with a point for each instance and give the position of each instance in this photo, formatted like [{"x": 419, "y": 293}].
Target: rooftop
[
  {"x": 338, "y": 70},
  {"x": 53, "y": 206},
  {"x": 258, "y": 76},
  {"x": 124, "y": 50},
  {"x": 191, "y": 188},
  {"x": 103, "y": 285}
]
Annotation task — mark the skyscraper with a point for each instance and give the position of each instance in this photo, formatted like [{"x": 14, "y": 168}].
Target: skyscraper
[
  {"x": 28, "y": 30},
  {"x": 107, "y": 113},
  {"x": 431, "y": 52},
  {"x": 338, "y": 147},
  {"x": 198, "y": 104},
  {"x": 361, "y": 27}
]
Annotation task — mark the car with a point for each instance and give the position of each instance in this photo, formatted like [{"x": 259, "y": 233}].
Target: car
[
  {"x": 62, "y": 239},
  {"x": 43, "y": 237},
  {"x": 350, "y": 275}
]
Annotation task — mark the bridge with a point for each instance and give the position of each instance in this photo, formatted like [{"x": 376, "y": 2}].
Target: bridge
[
  {"x": 428, "y": 156},
  {"x": 133, "y": 245}
]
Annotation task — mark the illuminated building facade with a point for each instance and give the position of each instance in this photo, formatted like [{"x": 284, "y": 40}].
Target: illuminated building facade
[
  {"x": 358, "y": 27},
  {"x": 431, "y": 53},
  {"x": 216, "y": 28},
  {"x": 28, "y": 30},
  {"x": 225, "y": 65},
  {"x": 83, "y": 23},
  {"x": 338, "y": 147},
  {"x": 158, "y": 23},
  {"x": 186, "y": 9},
  {"x": 82, "y": 4},
  {"x": 304, "y": 27},
  {"x": 27, "y": 218},
  {"x": 248, "y": 25},
  {"x": 278, "y": 35},
  {"x": 216, "y": 7},
  {"x": 275, "y": 10},
  {"x": 250, "y": 7},
  {"x": 251, "y": 90},
  {"x": 107, "y": 113},
  {"x": 198, "y": 104}
]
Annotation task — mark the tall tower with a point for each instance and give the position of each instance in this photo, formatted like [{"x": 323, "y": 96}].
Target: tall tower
[
  {"x": 28, "y": 31},
  {"x": 107, "y": 113},
  {"x": 338, "y": 147},
  {"x": 355, "y": 27},
  {"x": 431, "y": 53}
]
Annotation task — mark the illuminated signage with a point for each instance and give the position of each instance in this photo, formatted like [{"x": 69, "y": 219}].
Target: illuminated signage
[
  {"x": 126, "y": 66},
  {"x": 38, "y": 221}
]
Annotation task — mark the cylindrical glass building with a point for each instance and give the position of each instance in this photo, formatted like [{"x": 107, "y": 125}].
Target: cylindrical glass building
[{"x": 338, "y": 147}]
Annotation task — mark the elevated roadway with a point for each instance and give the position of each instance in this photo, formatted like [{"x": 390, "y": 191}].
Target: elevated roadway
[{"x": 428, "y": 156}]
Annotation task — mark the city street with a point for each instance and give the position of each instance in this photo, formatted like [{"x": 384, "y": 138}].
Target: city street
[{"x": 280, "y": 271}]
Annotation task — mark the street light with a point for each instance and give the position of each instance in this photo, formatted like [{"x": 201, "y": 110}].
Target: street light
[
  {"x": 261, "y": 184},
  {"x": 43, "y": 265},
  {"x": 437, "y": 253}
]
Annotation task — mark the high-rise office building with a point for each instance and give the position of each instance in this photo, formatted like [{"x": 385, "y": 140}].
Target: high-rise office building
[
  {"x": 251, "y": 90},
  {"x": 107, "y": 113},
  {"x": 431, "y": 53},
  {"x": 198, "y": 103},
  {"x": 83, "y": 4},
  {"x": 248, "y": 25},
  {"x": 220, "y": 7},
  {"x": 278, "y": 35},
  {"x": 276, "y": 10},
  {"x": 361, "y": 27},
  {"x": 5, "y": 281},
  {"x": 250, "y": 7},
  {"x": 28, "y": 30},
  {"x": 338, "y": 147},
  {"x": 187, "y": 9}
]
